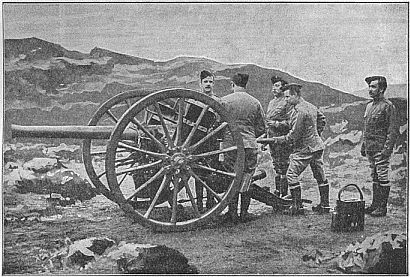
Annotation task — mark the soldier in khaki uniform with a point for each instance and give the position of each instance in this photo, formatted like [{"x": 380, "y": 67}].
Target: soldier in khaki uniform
[
  {"x": 379, "y": 135},
  {"x": 277, "y": 124},
  {"x": 247, "y": 113},
  {"x": 306, "y": 122},
  {"x": 206, "y": 84}
]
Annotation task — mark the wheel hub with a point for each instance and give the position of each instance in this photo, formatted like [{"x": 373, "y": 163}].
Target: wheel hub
[{"x": 178, "y": 160}]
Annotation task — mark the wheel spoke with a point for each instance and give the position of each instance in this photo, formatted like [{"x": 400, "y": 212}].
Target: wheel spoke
[
  {"x": 195, "y": 127},
  {"x": 154, "y": 201},
  {"x": 215, "y": 152},
  {"x": 112, "y": 116},
  {"x": 230, "y": 174},
  {"x": 164, "y": 126},
  {"x": 205, "y": 185},
  {"x": 122, "y": 180},
  {"x": 105, "y": 152},
  {"x": 180, "y": 121},
  {"x": 190, "y": 195},
  {"x": 157, "y": 175},
  {"x": 143, "y": 151},
  {"x": 175, "y": 181},
  {"x": 151, "y": 136},
  {"x": 144, "y": 166},
  {"x": 208, "y": 136},
  {"x": 101, "y": 174}
]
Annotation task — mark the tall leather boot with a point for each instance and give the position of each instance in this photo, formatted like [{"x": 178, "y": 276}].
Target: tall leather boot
[
  {"x": 383, "y": 197},
  {"x": 375, "y": 200},
  {"x": 245, "y": 202},
  {"x": 296, "y": 208},
  {"x": 323, "y": 206},
  {"x": 284, "y": 186},
  {"x": 232, "y": 214},
  {"x": 277, "y": 184}
]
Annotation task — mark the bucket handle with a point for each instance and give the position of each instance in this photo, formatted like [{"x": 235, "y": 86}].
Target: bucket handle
[{"x": 349, "y": 185}]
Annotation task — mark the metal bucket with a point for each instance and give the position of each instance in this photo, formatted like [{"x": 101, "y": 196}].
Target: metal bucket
[{"x": 349, "y": 214}]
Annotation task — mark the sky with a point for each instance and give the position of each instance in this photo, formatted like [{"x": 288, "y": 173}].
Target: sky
[{"x": 334, "y": 44}]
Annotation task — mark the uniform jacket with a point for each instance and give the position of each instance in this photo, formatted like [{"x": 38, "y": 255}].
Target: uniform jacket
[
  {"x": 278, "y": 112},
  {"x": 247, "y": 112},
  {"x": 306, "y": 123},
  {"x": 380, "y": 126}
]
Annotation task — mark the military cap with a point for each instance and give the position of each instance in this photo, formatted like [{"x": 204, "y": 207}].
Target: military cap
[
  {"x": 204, "y": 74},
  {"x": 240, "y": 79},
  {"x": 290, "y": 86},
  {"x": 276, "y": 79},
  {"x": 374, "y": 78}
]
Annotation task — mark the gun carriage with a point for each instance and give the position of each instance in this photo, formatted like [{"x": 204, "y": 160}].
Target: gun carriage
[{"x": 156, "y": 154}]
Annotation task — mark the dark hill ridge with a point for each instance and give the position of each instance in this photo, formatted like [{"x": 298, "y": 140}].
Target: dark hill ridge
[
  {"x": 117, "y": 58},
  {"x": 36, "y": 49},
  {"x": 50, "y": 85}
]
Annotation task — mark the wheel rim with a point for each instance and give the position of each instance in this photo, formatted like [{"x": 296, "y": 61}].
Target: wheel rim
[
  {"x": 181, "y": 152},
  {"x": 94, "y": 151}
]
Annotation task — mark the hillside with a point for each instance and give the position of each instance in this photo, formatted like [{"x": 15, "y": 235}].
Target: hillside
[{"x": 46, "y": 84}]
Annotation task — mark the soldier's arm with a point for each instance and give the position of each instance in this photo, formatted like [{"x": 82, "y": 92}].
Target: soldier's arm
[
  {"x": 260, "y": 122},
  {"x": 391, "y": 131},
  {"x": 295, "y": 132},
  {"x": 321, "y": 122}
]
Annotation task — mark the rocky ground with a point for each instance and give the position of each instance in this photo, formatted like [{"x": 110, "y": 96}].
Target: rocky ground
[{"x": 271, "y": 244}]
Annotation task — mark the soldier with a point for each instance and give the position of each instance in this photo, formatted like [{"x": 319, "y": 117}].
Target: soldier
[
  {"x": 206, "y": 83},
  {"x": 306, "y": 122},
  {"x": 277, "y": 124},
  {"x": 247, "y": 113},
  {"x": 380, "y": 132}
]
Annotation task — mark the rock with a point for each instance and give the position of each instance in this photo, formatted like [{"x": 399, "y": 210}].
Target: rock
[
  {"x": 63, "y": 151},
  {"x": 158, "y": 259},
  {"x": 42, "y": 165},
  {"x": 62, "y": 181},
  {"x": 382, "y": 253},
  {"x": 11, "y": 165},
  {"x": 81, "y": 252}
]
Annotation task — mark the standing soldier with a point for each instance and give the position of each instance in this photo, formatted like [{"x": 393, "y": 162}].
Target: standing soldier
[
  {"x": 306, "y": 122},
  {"x": 247, "y": 112},
  {"x": 380, "y": 132},
  {"x": 206, "y": 83},
  {"x": 277, "y": 124}
]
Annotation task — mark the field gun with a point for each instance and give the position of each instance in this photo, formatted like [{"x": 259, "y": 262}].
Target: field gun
[{"x": 150, "y": 152}]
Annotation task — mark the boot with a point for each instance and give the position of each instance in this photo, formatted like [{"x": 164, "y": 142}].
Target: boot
[
  {"x": 245, "y": 202},
  {"x": 375, "y": 200},
  {"x": 284, "y": 186},
  {"x": 323, "y": 206},
  {"x": 232, "y": 215},
  {"x": 296, "y": 208},
  {"x": 383, "y": 197}
]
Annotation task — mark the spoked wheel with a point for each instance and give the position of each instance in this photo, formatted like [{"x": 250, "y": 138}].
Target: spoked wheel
[
  {"x": 178, "y": 148},
  {"x": 108, "y": 114}
]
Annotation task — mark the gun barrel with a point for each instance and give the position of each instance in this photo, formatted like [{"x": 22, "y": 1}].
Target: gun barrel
[{"x": 72, "y": 131}]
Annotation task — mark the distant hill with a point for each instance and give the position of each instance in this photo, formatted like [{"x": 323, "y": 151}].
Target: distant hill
[
  {"x": 392, "y": 91},
  {"x": 46, "y": 84}
]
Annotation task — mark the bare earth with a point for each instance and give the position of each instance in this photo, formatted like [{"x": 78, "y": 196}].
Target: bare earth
[{"x": 271, "y": 244}]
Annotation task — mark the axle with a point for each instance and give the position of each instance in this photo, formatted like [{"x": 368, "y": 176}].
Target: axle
[{"x": 72, "y": 131}]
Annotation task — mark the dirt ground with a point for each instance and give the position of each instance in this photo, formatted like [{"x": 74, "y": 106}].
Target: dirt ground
[{"x": 271, "y": 244}]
